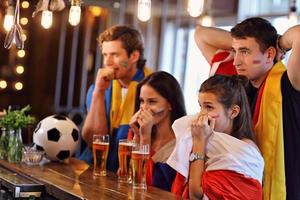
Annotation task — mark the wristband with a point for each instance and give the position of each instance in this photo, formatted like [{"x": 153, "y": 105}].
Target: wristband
[{"x": 280, "y": 47}]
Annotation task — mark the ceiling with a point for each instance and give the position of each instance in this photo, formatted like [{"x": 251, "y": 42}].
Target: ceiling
[{"x": 215, "y": 8}]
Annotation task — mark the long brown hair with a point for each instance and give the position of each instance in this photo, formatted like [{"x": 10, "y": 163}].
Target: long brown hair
[
  {"x": 168, "y": 87},
  {"x": 230, "y": 91}
]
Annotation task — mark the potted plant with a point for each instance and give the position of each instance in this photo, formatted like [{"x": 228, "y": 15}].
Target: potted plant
[{"x": 11, "y": 122}]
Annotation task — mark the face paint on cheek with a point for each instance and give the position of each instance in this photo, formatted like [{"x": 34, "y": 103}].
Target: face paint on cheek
[
  {"x": 158, "y": 112},
  {"x": 124, "y": 64},
  {"x": 256, "y": 61},
  {"x": 214, "y": 117}
]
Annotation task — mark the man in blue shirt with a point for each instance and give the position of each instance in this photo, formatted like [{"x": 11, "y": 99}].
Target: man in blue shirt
[{"x": 110, "y": 100}]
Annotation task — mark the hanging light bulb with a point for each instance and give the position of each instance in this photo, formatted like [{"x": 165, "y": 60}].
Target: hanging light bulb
[
  {"x": 9, "y": 18},
  {"x": 144, "y": 10},
  {"x": 46, "y": 20},
  {"x": 74, "y": 16},
  {"x": 14, "y": 34},
  {"x": 207, "y": 20},
  {"x": 75, "y": 12},
  {"x": 293, "y": 17},
  {"x": 195, "y": 7}
]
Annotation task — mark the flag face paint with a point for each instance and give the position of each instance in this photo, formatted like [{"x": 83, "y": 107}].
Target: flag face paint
[
  {"x": 158, "y": 112},
  {"x": 123, "y": 63},
  {"x": 256, "y": 62}
]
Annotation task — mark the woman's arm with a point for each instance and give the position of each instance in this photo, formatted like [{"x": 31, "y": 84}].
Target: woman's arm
[
  {"x": 201, "y": 131},
  {"x": 196, "y": 171}
]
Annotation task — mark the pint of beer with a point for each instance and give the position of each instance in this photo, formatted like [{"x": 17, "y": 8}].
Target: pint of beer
[
  {"x": 124, "y": 172},
  {"x": 100, "y": 152},
  {"x": 139, "y": 158}
]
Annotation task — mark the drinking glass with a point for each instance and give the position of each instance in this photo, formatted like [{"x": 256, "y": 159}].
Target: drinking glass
[
  {"x": 139, "y": 158},
  {"x": 124, "y": 153},
  {"x": 100, "y": 152}
]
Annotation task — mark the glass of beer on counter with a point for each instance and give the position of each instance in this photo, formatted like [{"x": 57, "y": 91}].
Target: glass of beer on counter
[
  {"x": 139, "y": 157},
  {"x": 124, "y": 153},
  {"x": 100, "y": 152}
]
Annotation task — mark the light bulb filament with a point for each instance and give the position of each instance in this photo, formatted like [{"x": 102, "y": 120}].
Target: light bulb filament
[
  {"x": 46, "y": 20},
  {"x": 74, "y": 15},
  {"x": 144, "y": 10}
]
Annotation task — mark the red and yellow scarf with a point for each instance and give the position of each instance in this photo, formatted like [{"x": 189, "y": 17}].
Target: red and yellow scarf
[{"x": 269, "y": 132}]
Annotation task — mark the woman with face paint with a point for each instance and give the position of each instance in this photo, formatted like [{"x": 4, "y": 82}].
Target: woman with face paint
[
  {"x": 159, "y": 102},
  {"x": 224, "y": 161}
]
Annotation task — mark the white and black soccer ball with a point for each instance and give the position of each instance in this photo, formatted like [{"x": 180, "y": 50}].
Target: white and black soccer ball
[{"x": 58, "y": 136}]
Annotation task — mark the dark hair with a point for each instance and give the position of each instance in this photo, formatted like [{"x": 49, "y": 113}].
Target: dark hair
[
  {"x": 261, "y": 29},
  {"x": 230, "y": 91},
  {"x": 131, "y": 40},
  {"x": 168, "y": 87}
]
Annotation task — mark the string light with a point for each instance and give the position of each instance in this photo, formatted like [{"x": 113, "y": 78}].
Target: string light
[
  {"x": 46, "y": 20},
  {"x": 144, "y": 10},
  {"x": 24, "y": 20},
  {"x": 25, "y": 4},
  {"x": 195, "y": 7},
  {"x": 24, "y": 37},
  {"x": 9, "y": 18},
  {"x": 19, "y": 69},
  {"x": 75, "y": 12},
  {"x": 3, "y": 84},
  {"x": 21, "y": 53},
  {"x": 18, "y": 85}
]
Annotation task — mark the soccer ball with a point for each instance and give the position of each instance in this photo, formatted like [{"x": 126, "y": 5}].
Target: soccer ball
[{"x": 58, "y": 136}]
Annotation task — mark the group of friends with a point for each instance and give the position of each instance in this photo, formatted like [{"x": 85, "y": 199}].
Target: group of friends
[{"x": 244, "y": 141}]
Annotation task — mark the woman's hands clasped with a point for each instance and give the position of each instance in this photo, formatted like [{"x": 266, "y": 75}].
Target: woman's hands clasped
[{"x": 141, "y": 124}]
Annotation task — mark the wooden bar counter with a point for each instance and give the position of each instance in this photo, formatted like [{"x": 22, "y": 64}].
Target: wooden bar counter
[{"x": 74, "y": 179}]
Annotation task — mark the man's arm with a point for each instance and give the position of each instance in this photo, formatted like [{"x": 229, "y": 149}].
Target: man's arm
[
  {"x": 291, "y": 40},
  {"x": 210, "y": 39},
  {"x": 96, "y": 122}
]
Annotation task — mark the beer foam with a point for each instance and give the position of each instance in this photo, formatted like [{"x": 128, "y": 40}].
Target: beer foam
[
  {"x": 126, "y": 144},
  {"x": 101, "y": 143},
  {"x": 140, "y": 152}
]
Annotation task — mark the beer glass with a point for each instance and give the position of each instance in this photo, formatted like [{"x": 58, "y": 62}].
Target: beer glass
[
  {"x": 124, "y": 153},
  {"x": 139, "y": 158},
  {"x": 100, "y": 152}
]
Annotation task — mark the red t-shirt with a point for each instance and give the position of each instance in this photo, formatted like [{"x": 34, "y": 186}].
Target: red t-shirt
[{"x": 226, "y": 66}]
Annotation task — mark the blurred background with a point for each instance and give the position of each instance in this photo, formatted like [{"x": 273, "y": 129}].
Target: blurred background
[{"x": 60, "y": 56}]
